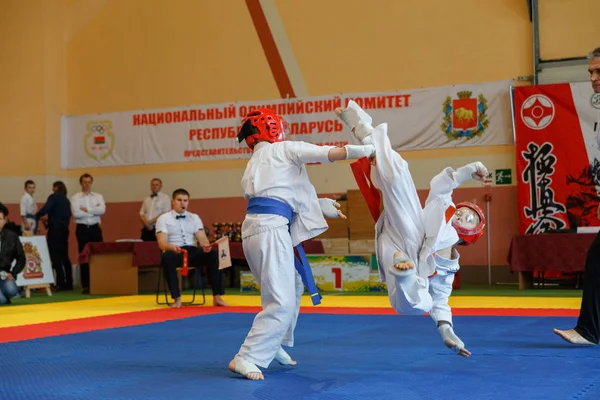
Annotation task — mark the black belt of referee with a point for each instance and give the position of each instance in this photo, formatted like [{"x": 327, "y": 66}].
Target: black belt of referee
[{"x": 88, "y": 226}]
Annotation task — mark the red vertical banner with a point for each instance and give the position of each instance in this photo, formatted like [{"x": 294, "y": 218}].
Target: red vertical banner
[{"x": 550, "y": 155}]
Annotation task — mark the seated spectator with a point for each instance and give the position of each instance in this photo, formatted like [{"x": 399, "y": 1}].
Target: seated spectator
[
  {"x": 11, "y": 250},
  {"x": 175, "y": 231}
]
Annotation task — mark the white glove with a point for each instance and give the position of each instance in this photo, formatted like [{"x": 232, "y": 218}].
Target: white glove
[
  {"x": 359, "y": 122},
  {"x": 354, "y": 152},
  {"x": 475, "y": 170},
  {"x": 329, "y": 208}
]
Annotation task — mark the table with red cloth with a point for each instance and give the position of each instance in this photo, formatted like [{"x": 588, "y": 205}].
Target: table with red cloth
[
  {"x": 114, "y": 265},
  {"x": 565, "y": 252}
]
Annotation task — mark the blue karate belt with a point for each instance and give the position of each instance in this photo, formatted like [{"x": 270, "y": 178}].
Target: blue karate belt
[
  {"x": 30, "y": 216},
  {"x": 265, "y": 205}
]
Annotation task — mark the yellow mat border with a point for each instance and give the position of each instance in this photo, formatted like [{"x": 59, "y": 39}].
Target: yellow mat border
[{"x": 62, "y": 311}]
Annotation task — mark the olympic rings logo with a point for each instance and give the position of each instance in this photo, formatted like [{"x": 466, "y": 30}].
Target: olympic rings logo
[{"x": 98, "y": 128}]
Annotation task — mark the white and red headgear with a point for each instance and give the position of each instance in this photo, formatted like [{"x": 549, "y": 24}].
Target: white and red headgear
[
  {"x": 262, "y": 124},
  {"x": 468, "y": 223}
]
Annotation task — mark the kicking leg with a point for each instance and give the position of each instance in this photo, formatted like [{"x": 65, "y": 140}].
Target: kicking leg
[{"x": 402, "y": 207}]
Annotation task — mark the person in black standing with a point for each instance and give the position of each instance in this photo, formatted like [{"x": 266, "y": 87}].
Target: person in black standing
[
  {"x": 587, "y": 331},
  {"x": 58, "y": 210}
]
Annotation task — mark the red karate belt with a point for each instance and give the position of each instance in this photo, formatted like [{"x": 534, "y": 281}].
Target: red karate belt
[{"x": 361, "y": 169}]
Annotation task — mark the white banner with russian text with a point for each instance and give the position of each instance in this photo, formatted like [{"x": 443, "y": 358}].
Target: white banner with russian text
[{"x": 432, "y": 118}]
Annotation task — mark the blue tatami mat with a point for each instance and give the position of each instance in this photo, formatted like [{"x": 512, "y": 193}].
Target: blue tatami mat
[{"x": 339, "y": 357}]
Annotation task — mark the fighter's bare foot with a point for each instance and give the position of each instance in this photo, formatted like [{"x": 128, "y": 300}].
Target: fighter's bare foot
[
  {"x": 283, "y": 358},
  {"x": 401, "y": 262},
  {"x": 248, "y": 370},
  {"x": 452, "y": 341},
  {"x": 219, "y": 302},
  {"x": 461, "y": 351},
  {"x": 177, "y": 303},
  {"x": 572, "y": 336},
  {"x": 402, "y": 266}
]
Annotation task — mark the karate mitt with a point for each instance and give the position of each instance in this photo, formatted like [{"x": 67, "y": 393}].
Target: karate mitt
[
  {"x": 329, "y": 208},
  {"x": 475, "y": 170},
  {"x": 359, "y": 122},
  {"x": 354, "y": 152}
]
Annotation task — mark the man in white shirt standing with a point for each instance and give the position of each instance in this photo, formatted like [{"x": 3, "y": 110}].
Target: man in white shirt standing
[
  {"x": 87, "y": 207},
  {"x": 176, "y": 231},
  {"x": 28, "y": 210},
  {"x": 153, "y": 207}
]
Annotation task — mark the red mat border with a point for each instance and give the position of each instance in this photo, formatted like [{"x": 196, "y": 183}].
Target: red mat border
[{"x": 48, "y": 329}]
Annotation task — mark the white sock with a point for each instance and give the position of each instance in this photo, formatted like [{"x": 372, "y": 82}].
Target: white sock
[
  {"x": 244, "y": 367},
  {"x": 450, "y": 339},
  {"x": 282, "y": 357}
]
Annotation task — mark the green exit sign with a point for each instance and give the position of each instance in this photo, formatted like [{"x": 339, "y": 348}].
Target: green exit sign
[{"x": 503, "y": 177}]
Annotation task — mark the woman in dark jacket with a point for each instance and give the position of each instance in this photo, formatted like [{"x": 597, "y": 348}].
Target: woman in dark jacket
[{"x": 58, "y": 209}]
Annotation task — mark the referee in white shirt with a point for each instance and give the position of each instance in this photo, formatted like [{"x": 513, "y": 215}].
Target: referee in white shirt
[
  {"x": 87, "y": 207},
  {"x": 153, "y": 207},
  {"x": 176, "y": 230}
]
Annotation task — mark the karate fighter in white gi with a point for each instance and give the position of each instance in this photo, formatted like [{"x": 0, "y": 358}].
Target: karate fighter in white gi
[
  {"x": 28, "y": 210},
  {"x": 283, "y": 211},
  {"x": 416, "y": 247}
]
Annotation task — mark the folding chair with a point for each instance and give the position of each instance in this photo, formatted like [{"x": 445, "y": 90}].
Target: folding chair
[{"x": 200, "y": 281}]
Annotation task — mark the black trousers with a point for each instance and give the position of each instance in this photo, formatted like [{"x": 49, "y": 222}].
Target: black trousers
[
  {"x": 148, "y": 235},
  {"x": 588, "y": 324},
  {"x": 86, "y": 234},
  {"x": 196, "y": 258},
  {"x": 58, "y": 247}
]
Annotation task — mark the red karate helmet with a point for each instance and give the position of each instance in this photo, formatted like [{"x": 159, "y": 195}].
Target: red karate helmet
[
  {"x": 262, "y": 124},
  {"x": 468, "y": 235}
]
